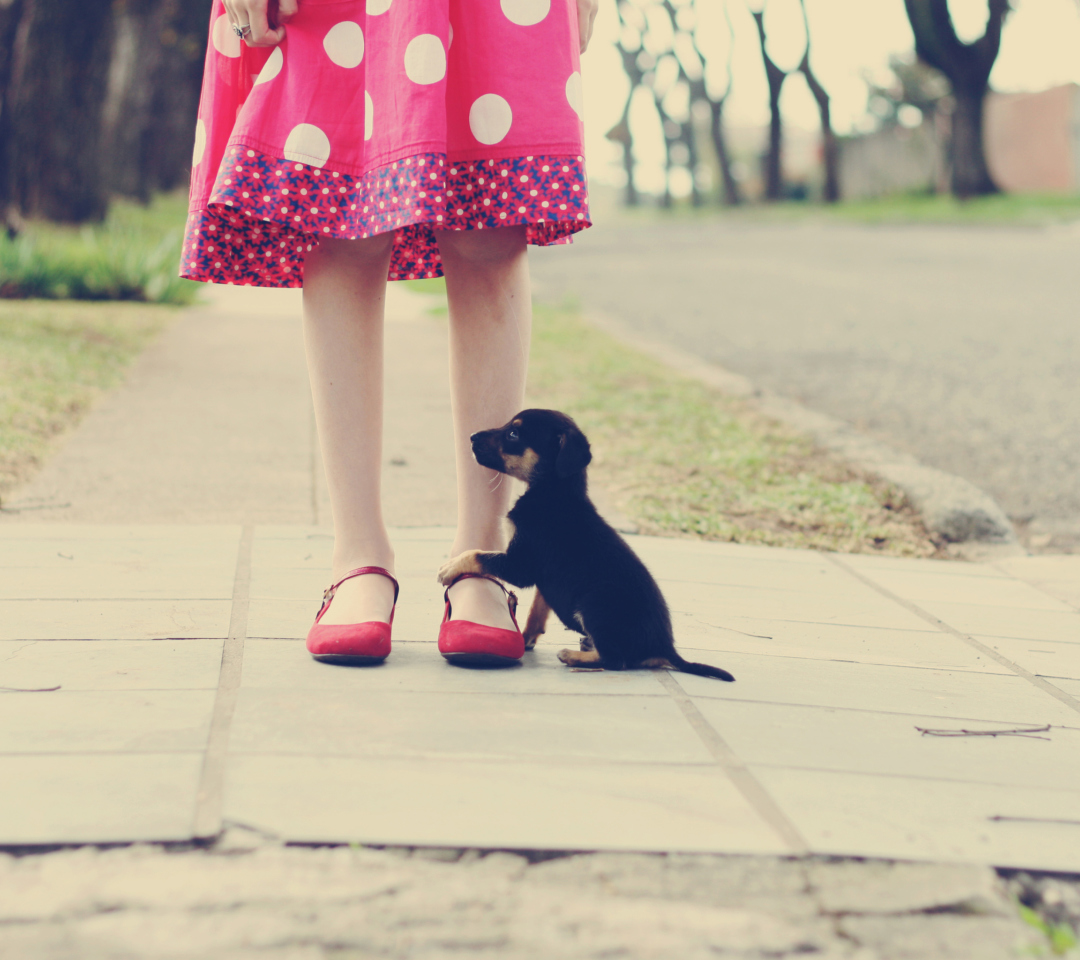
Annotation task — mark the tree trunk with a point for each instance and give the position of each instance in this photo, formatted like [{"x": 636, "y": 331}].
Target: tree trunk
[
  {"x": 830, "y": 152},
  {"x": 60, "y": 65},
  {"x": 968, "y": 66},
  {"x": 732, "y": 194},
  {"x": 774, "y": 170},
  {"x": 970, "y": 173},
  {"x": 154, "y": 82},
  {"x": 10, "y": 14}
]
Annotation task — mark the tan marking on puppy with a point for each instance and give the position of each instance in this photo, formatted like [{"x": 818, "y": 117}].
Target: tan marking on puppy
[
  {"x": 466, "y": 562},
  {"x": 656, "y": 663},
  {"x": 537, "y": 621},
  {"x": 523, "y": 466},
  {"x": 578, "y": 658}
]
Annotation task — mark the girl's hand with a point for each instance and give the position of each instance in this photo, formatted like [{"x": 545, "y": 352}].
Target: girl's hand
[
  {"x": 586, "y": 12},
  {"x": 264, "y": 17}
]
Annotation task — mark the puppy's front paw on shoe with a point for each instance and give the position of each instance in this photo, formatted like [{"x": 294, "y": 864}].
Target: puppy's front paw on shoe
[{"x": 454, "y": 567}]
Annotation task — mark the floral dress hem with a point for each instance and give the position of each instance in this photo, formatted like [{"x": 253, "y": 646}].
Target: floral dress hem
[{"x": 265, "y": 213}]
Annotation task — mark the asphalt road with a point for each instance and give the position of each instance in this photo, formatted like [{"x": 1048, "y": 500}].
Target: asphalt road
[{"x": 959, "y": 345}]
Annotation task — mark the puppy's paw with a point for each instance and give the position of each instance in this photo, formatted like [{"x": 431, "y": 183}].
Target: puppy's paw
[
  {"x": 466, "y": 562},
  {"x": 580, "y": 658},
  {"x": 530, "y": 639}
]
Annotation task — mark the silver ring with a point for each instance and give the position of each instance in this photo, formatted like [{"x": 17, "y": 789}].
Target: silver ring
[{"x": 241, "y": 31}]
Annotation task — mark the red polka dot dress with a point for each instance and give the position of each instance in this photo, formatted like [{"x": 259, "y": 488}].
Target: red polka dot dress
[{"x": 385, "y": 115}]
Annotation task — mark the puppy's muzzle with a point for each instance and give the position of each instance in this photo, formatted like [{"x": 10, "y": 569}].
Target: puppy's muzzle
[{"x": 487, "y": 450}]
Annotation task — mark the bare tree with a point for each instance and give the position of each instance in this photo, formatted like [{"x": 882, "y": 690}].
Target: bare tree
[
  {"x": 621, "y": 133},
  {"x": 967, "y": 66},
  {"x": 700, "y": 93},
  {"x": 830, "y": 151},
  {"x": 774, "y": 174}
]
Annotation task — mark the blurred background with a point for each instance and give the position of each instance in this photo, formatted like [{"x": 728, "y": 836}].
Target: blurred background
[
  {"x": 871, "y": 207},
  {"x": 704, "y": 101}
]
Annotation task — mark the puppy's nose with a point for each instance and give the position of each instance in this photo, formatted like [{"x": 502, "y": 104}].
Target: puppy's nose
[{"x": 472, "y": 439}]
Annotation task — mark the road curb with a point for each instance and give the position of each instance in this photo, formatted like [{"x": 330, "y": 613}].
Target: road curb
[{"x": 952, "y": 507}]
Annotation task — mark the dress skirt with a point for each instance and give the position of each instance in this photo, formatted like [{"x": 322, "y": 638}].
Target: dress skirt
[{"x": 385, "y": 115}]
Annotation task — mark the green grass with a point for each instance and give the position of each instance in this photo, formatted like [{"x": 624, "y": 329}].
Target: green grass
[
  {"x": 680, "y": 459},
  {"x": 56, "y": 358},
  {"x": 1060, "y": 936},
  {"x": 1020, "y": 210},
  {"x": 133, "y": 255}
]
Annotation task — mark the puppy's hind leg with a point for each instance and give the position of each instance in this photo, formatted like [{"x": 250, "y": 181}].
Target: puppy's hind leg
[{"x": 538, "y": 616}]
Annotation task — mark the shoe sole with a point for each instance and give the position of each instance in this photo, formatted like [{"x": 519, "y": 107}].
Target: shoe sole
[
  {"x": 481, "y": 660},
  {"x": 347, "y": 660}
]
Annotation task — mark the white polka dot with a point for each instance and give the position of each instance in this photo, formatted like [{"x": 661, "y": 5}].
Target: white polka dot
[
  {"x": 489, "y": 118},
  {"x": 307, "y": 143},
  {"x": 525, "y": 12},
  {"x": 344, "y": 44},
  {"x": 200, "y": 143},
  {"x": 425, "y": 59},
  {"x": 226, "y": 42},
  {"x": 272, "y": 67},
  {"x": 574, "y": 93},
  {"x": 369, "y": 116},
  {"x": 375, "y": 7},
  {"x": 450, "y": 40}
]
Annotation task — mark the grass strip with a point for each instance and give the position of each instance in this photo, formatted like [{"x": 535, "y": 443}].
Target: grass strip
[
  {"x": 681, "y": 459},
  {"x": 133, "y": 255},
  {"x": 56, "y": 358},
  {"x": 1001, "y": 210}
]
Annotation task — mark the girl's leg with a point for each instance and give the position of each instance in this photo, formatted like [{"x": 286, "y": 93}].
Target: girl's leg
[
  {"x": 487, "y": 285},
  {"x": 344, "y": 294}
]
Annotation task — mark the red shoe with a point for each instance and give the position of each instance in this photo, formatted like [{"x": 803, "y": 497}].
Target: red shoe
[
  {"x": 351, "y": 643},
  {"x": 476, "y": 644}
]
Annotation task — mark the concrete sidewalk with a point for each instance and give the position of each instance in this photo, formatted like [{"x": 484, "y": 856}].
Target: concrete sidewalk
[{"x": 176, "y": 553}]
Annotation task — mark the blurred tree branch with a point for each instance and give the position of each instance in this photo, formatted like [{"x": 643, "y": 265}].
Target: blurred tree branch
[
  {"x": 774, "y": 173},
  {"x": 830, "y": 151}
]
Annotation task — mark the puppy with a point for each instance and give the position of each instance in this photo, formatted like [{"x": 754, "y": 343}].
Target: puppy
[{"x": 582, "y": 568}]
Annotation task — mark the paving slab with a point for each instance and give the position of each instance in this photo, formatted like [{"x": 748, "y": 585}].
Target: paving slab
[
  {"x": 871, "y": 687},
  {"x": 51, "y": 798},
  {"x": 1045, "y": 658},
  {"x": 900, "y": 818},
  {"x": 496, "y": 805},
  {"x": 111, "y": 664},
  {"x": 113, "y": 619},
  {"x": 891, "y": 744}
]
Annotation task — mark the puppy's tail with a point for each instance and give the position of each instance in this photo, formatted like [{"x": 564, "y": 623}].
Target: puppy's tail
[{"x": 699, "y": 669}]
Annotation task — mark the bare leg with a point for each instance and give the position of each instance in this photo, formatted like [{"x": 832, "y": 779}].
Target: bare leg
[
  {"x": 344, "y": 295},
  {"x": 487, "y": 285}
]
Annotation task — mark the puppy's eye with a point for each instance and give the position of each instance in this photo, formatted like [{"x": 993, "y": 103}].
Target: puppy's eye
[{"x": 512, "y": 435}]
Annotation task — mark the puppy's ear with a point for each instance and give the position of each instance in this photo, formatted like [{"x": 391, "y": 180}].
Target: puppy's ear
[{"x": 574, "y": 453}]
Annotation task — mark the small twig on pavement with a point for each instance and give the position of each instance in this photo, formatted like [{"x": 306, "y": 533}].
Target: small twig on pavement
[
  {"x": 29, "y": 689},
  {"x": 1029, "y": 732}
]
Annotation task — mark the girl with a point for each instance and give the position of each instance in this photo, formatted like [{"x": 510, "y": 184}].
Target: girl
[{"x": 342, "y": 143}]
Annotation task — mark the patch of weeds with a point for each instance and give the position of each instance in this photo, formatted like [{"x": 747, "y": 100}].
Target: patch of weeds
[
  {"x": 681, "y": 459},
  {"x": 56, "y": 358},
  {"x": 1061, "y": 936}
]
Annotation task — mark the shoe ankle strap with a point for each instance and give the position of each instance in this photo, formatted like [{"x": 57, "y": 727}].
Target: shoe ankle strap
[
  {"x": 511, "y": 597},
  {"x": 328, "y": 594}
]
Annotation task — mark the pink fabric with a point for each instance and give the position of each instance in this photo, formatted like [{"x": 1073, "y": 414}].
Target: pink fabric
[{"x": 362, "y": 91}]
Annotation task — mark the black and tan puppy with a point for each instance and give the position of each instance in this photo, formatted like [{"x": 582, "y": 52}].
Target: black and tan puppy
[{"x": 581, "y": 567}]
